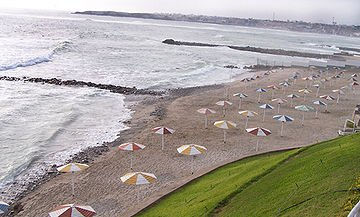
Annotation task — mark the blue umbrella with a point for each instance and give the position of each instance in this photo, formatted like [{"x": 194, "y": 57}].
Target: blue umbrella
[
  {"x": 260, "y": 90},
  {"x": 283, "y": 119},
  {"x": 3, "y": 207},
  {"x": 265, "y": 107}
]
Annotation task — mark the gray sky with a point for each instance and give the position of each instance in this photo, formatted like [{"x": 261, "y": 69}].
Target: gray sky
[{"x": 344, "y": 11}]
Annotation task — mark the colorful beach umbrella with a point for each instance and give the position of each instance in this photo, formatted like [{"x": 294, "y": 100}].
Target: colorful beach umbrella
[
  {"x": 266, "y": 107},
  {"x": 72, "y": 168},
  {"x": 225, "y": 125},
  {"x": 304, "y": 108},
  {"x": 4, "y": 207},
  {"x": 279, "y": 101},
  {"x": 339, "y": 92},
  {"x": 138, "y": 178},
  {"x": 241, "y": 96},
  {"x": 247, "y": 114},
  {"x": 292, "y": 97},
  {"x": 283, "y": 119},
  {"x": 72, "y": 210},
  {"x": 260, "y": 132},
  {"x": 319, "y": 103},
  {"x": 191, "y": 150},
  {"x": 206, "y": 112},
  {"x": 224, "y": 105},
  {"x": 305, "y": 92},
  {"x": 132, "y": 146},
  {"x": 260, "y": 90},
  {"x": 163, "y": 131},
  {"x": 307, "y": 79}
]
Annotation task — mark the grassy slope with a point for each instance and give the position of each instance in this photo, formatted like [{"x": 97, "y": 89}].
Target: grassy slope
[
  {"x": 202, "y": 195},
  {"x": 314, "y": 179}
]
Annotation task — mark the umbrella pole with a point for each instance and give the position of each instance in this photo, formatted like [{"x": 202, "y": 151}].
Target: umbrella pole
[
  {"x": 224, "y": 136},
  {"x": 192, "y": 164},
  {"x": 304, "y": 96},
  {"x": 162, "y": 141},
  {"x": 316, "y": 113},
  {"x": 257, "y": 145},
  {"x": 240, "y": 103},
  {"x": 72, "y": 184},
  {"x": 326, "y": 108},
  {"x": 282, "y": 127},
  {"x": 206, "y": 121},
  {"x": 224, "y": 111},
  {"x": 272, "y": 94},
  {"x": 246, "y": 123},
  {"x": 278, "y": 108},
  {"x": 317, "y": 91},
  {"x": 264, "y": 115},
  {"x": 338, "y": 99},
  {"x": 259, "y": 98},
  {"x": 131, "y": 160},
  {"x": 303, "y": 118},
  {"x": 292, "y": 101}
]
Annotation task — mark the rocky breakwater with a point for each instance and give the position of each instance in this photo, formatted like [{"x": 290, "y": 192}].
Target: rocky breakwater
[
  {"x": 75, "y": 83},
  {"x": 336, "y": 56}
]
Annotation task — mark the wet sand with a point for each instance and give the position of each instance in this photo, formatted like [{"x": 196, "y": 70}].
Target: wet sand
[{"x": 100, "y": 186}]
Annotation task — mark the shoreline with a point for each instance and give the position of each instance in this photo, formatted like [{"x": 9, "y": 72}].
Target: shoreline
[{"x": 157, "y": 107}]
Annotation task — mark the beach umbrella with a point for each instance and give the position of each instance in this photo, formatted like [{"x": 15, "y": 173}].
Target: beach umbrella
[
  {"x": 283, "y": 119},
  {"x": 257, "y": 131},
  {"x": 339, "y": 92},
  {"x": 353, "y": 84},
  {"x": 247, "y": 114},
  {"x": 319, "y": 103},
  {"x": 279, "y": 101},
  {"x": 162, "y": 131},
  {"x": 72, "y": 210},
  {"x": 304, "y": 108},
  {"x": 317, "y": 86},
  {"x": 206, "y": 112},
  {"x": 260, "y": 90},
  {"x": 354, "y": 75},
  {"x": 225, "y": 125},
  {"x": 224, "y": 105},
  {"x": 328, "y": 98},
  {"x": 305, "y": 92},
  {"x": 266, "y": 107},
  {"x": 284, "y": 85},
  {"x": 292, "y": 97},
  {"x": 241, "y": 96},
  {"x": 131, "y": 147},
  {"x": 191, "y": 150},
  {"x": 273, "y": 88},
  {"x": 4, "y": 207},
  {"x": 72, "y": 168},
  {"x": 307, "y": 79},
  {"x": 352, "y": 79},
  {"x": 138, "y": 178}
]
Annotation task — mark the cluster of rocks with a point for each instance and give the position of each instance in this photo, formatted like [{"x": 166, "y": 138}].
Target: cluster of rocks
[
  {"x": 232, "y": 67},
  {"x": 110, "y": 87},
  {"x": 258, "y": 50},
  {"x": 263, "y": 67}
]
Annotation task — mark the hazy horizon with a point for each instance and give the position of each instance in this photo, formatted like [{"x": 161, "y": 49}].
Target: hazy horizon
[{"x": 344, "y": 12}]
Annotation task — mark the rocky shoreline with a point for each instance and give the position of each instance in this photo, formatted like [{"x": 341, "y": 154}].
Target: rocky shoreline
[
  {"x": 110, "y": 87},
  {"x": 281, "y": 52}
]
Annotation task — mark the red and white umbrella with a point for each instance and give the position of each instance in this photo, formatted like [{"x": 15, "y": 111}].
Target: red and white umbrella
[
  {"x": 132, "y": 146},
  {"x": 72, "y": 210},
  {"x": 224, "y": 104},
  {"x": 162, "y": 131},
  {"x": 206, "y": 112},
  {"x": 257, "y": 131}
]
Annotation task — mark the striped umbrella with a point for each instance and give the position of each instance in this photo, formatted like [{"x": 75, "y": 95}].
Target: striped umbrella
[
  {"x": 257, "y": 131},
  {"x": 339, "y": 92},
  {"x": 225, "y": 125},
  {"x": 304, "y": 108},
  {"x": 279, "y": 101},
  {"x": 266, "y": 107},
  {"x": 260, "y": 90},
  {"x": 283, "y": 119},
  {"x": 247, "y": 114},
  {"x": 72, "y": 210},
  {"x": 4, "y": 207},
  {"x": 206, "y": 112},
  {"x": 353, "y": 84},
  {"x": 224, "y": 104},
  {"x": 138, "y": 178},
  {"x": 241, "y": 96},
  {"x": 305, "y": 92},
  {"x": 191, "y": 150},
  {"x": 132, "y": 146},
  {"x": 72, "y": 168},
  {"x": 162, "y": 131},
  {"x": 273, "y": 88},
  {"x": 319, "y": 103},
  {"x": 292, "y": 96},
  {"x": 317, "y": 86}
]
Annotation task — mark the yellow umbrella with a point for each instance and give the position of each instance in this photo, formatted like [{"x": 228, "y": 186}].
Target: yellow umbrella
[
  {"x": 72, "y": 168},
  {"x": 225, "y": 125},
  {"x": 191, "y": 150},
  {"x": 305, "y": 91},
  {"x": 247, "y": 114}
]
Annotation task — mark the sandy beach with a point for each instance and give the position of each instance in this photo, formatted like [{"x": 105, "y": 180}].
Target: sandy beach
[{"x": 100, "y": 186}]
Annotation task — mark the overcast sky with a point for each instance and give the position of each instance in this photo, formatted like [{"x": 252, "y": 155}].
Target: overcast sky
[{"x": 344, "y": 11}]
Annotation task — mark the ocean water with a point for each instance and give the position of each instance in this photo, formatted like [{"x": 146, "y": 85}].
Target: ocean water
[{"x": 42, "y": 125}]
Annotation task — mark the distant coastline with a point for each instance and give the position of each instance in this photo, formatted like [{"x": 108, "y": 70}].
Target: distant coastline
[{"x": 298, "y": 26}]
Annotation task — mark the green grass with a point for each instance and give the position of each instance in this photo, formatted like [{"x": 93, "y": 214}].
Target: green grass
[{"x": 313, "y": 181}]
